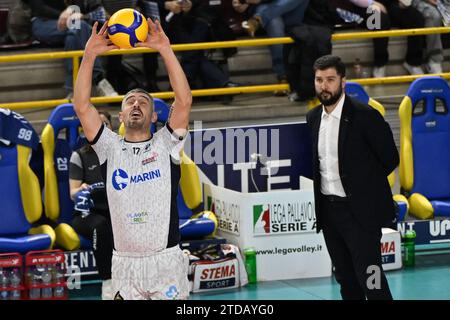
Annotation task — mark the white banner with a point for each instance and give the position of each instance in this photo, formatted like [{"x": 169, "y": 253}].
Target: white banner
[
  {"x": 391, "y": 250},
  {"x": 279, "y": 225}
]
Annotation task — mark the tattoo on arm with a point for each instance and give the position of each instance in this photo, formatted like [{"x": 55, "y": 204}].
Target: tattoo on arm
[{"x": 170, "y": 115}]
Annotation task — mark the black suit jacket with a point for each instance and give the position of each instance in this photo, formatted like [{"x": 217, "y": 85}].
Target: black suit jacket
[{"x": 367, "y": 155}]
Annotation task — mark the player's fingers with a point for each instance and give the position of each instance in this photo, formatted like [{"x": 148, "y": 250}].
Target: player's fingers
[
  {"x": 94, "y": 28},
  {"x": 159, "y": 28},
  {"x": 151, "y": 25},
  {"x": 103, "y": 29}
]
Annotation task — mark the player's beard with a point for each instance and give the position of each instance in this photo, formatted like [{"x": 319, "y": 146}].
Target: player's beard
[
  {"x": 333, "y": 97},
  {"x": 136, "y": 124}
]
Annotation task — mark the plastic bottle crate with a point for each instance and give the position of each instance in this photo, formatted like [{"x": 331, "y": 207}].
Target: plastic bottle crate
[
  {"x": 11, "y": 280},
  {"x": 45, "y": 275}
]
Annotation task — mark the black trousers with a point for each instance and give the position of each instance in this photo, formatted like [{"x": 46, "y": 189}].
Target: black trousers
[
  {"x": 355, "y": 254},
  {"x": 403, "y": 18},
  {"x": 196, "y": 64},
  {"x": 97, "y": 228},
  {"x": 114, "y": 72}
]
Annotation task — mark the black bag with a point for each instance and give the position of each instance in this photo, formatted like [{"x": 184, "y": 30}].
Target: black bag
[
  {"x": 218, "y": 26},
  {"x": 312, "y": 40},
  {"x": 4, "y": 27},
  {"x": 19, "y": 22},
  {"x": 130, "y": 78},
  {"x": 86, "y": 6}
]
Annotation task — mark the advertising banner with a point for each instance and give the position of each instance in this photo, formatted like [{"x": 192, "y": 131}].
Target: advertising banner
[{"x": 279, "y": 225}]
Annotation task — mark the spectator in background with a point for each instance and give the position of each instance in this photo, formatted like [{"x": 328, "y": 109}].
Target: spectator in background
[
  {"x": 312, "y": 39},
  {"x": 405, "y": 16},
  {"x": 114, "y": 63},
  {"x": 443, "y": 7},
  {"x": 184, "y": 24},
  {"x": 50, "y": 25},
  {"x": 274, "y": 16},
  {"x": 434, "y": 50},
  {"x": 392, "y": 12},
  {"x": 224, "y": 21},
  {"x": 92, "y": 223}
]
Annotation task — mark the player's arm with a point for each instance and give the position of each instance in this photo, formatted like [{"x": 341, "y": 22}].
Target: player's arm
[
  {"x": 76, "y": 175},
  {"x": 181, "y": 107},
  {"x": 88, "y": 115},
  {"x": 76, "y": 186}
]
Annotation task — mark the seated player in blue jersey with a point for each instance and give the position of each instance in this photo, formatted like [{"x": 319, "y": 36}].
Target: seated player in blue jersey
[{"x": 142, "y": 176}]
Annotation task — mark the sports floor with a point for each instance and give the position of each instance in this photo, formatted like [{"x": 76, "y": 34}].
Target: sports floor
[{"x": 428, "y": 280}]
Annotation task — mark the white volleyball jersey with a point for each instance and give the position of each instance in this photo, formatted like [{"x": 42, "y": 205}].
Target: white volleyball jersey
[{"x": 142, "y": 184}]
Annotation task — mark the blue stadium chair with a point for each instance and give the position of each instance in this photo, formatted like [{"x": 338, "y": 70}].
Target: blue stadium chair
[
  {"x": 21, "y": 204},
  {"x": 356, "y": 91},
  {"x": 424, "y": 147},
  {"x": 57, "y": 151},
  {"x": 189, "y": 192},
  {"x": 192, "y": 225}
]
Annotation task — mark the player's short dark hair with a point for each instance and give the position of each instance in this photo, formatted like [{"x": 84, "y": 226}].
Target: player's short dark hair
[
  {"x": 330, "y": 61},
  {"x": 139, "y": 90}
]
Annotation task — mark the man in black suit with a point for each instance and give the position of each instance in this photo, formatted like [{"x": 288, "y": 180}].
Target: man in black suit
[{"x": 353, "y": 153}]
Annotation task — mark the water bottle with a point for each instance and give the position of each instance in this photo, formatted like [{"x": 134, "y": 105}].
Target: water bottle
[
  {"x": 4, "y": 283},
  {"x": 250, "y": 264},
  {"x": 33, "y": 280},
  {"x": 410, "y": 250},
  {"x": 15, "y": 280},
  {"x": 47, "y": 291},
  {"x": 59, "y": 276}
]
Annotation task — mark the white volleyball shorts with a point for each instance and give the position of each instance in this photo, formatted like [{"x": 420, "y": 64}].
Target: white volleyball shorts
[{"x": 155, "y": 276}]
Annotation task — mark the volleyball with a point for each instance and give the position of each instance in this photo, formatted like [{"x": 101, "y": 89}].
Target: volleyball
[{"x": 127, "y": 27}]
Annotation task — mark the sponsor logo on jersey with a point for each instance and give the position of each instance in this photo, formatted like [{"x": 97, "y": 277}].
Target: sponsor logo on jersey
[
  {"x": 147, "y": 147},
  {"x": 173, "y": 292},
  {"x": 137, "y": 217},
  {"x": 153, "y": 157},
  {"x": 120, "y": 179}
]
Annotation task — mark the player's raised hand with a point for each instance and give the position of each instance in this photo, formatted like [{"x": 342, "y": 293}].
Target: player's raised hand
[
  {"x": 156, "y": 38},
  {"x": 98, "y": 42}
]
